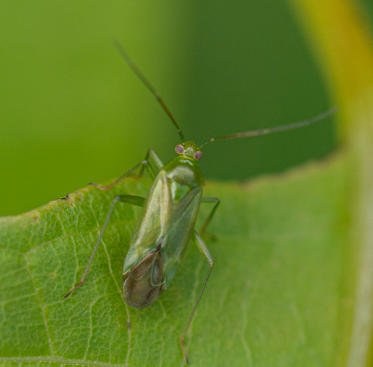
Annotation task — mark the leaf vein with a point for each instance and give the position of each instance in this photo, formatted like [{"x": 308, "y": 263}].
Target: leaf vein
[
  {"x": 42, "y": 307},
  {"x": 56, "y": 359}
]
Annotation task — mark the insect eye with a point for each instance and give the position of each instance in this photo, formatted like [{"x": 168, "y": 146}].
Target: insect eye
[
  {"x": 198, "y": 155},
  {"x": 179, "y": 149}
]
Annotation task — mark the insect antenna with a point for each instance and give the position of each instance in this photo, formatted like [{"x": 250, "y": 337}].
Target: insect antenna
[
  {"x": 271, "y": 130},
  {"x": 147, "y": 84}
]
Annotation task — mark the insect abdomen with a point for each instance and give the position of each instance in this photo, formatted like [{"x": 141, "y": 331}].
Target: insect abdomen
[{"x": 143, "y": 285}]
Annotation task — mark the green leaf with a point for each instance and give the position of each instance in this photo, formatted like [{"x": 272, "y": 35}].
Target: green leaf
[
  {"x": 293, "y": 282},
  {"x": 274, "y": 298},
  {"x": 337, "y": 31}
]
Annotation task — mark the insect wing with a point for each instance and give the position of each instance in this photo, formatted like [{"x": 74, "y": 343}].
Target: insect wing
[
  {"x": 153, "y": 224},
  {"x": 184, "y": 215}
]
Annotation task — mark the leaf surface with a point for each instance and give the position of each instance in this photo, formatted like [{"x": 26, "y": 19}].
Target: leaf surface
[{"x": 274, "y": 297}]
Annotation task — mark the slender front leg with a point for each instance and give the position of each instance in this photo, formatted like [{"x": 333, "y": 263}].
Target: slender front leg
[
  {"x": 212, "y": 213},
  {"x": 129, "y": 199},
  {"x": 151, "y": 159},
  {"x": 206, "y": 253}
]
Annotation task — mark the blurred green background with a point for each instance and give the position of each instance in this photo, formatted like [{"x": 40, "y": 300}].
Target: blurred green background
[{"x": 72, "y": 112}]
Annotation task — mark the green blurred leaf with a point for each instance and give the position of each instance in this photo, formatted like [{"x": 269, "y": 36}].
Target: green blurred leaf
[
  {"x": 72, "y": 112},
  {"x": 343, "y": 45},
  {"x": 274, "y": 298}
]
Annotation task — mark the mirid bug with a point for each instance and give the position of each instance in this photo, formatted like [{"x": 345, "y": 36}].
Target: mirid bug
[{"x": 169, "y": 214}]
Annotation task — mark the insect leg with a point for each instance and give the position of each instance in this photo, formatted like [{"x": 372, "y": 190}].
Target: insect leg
[
  {"x": 129, "y": 199},
  {"x": 152, "y": 159},
  {"x": 121, "y": 178},
  {"x": 206, "y": 253},
  {"x": 143, "y": 164},
  {"x": 208, "y": 219}
]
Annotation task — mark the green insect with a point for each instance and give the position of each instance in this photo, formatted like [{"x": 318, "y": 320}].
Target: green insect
[{"x": 168, "y": 219}]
